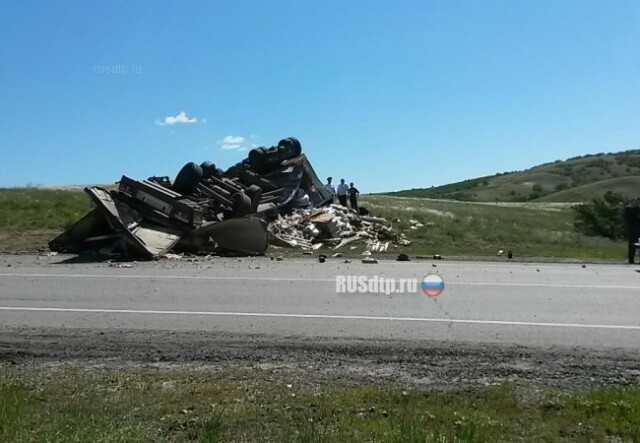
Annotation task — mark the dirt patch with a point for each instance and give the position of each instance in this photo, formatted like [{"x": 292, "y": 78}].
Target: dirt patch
[
  {"x": 26, "y": 242},
  {"x": 426, "y": 364}
]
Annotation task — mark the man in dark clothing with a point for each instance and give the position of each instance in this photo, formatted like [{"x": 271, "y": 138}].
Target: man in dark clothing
[
  {"x": 632, "y": 219},
  {"x": 353, "y": 197}
]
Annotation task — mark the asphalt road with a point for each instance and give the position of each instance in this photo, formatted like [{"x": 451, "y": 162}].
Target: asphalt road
[{"x": 542, "y": 305}]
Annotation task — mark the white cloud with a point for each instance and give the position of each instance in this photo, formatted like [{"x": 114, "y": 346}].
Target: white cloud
[
  {"x": 180, "y": 118},
  {"x": 232, "y": 140}
]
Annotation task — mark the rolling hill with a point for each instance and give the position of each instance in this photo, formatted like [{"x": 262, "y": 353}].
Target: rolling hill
[{"x": 574, "y": 180}]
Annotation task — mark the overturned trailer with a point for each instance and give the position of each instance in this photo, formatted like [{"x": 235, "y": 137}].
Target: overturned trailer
[{"x": 204, "y": 209}]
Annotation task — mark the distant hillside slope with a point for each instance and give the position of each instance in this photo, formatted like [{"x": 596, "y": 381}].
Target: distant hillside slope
[
  {"x": 576, "y": 179},
  {"x": 629, "y": 187}
]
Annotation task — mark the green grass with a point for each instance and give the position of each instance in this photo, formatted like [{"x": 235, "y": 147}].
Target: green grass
[
  {"x": 24, "y": 209},
  {"x": 481, "y": 229},
  {"x": 546, "y": 180},
  {"x": 628, "y": 187},
  {"x": 30, "y": 217},
  {"x": 93, "y": 405}
]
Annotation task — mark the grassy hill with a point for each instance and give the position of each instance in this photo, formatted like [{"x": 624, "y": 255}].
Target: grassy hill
[
  {"x": 626, "y": 186},
  {"x": 574, "y": 180}
]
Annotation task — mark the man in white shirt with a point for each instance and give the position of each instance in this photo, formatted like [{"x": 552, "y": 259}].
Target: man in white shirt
[
  {"x": 329, "y": 187},
  {"x": 342, "y": 192}
]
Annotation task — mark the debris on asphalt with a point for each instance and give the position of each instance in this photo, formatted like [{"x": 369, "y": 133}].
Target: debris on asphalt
[
  {"x": 402, "y": 257},
  {"x": 369, "y": 260}
]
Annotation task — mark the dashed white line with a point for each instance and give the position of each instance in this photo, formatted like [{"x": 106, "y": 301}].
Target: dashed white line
[{"x": 317, "y": 316}]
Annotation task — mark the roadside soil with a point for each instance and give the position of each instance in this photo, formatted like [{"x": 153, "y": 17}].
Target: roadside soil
[{"x": 424, "y": 364}]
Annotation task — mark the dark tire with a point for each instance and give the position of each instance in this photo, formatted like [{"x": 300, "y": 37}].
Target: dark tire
[
  {"x": 257, "y": 158},
  {"x": 188, "y": 178},
  {"x": 292, "y": 147},
  {"x": 208, "y": 169}
]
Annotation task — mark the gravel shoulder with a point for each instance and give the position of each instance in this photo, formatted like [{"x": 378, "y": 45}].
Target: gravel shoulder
[{"x": 431, "y": 365}]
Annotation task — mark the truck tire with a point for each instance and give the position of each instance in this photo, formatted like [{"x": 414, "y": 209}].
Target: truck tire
[{"x": 188, "y": 178}]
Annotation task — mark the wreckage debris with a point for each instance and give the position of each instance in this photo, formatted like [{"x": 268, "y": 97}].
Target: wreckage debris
[
  {"x": 334, "y": 226},
  {"x": 204, "y": 209},
  {"x": 272, "y": 197}
]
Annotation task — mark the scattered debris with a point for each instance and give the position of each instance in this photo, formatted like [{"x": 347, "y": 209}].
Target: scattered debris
[
  {"x": 415, "y": 224},
  {"x": 333, "y": 226},
  {"x": 369, "y": 260},
  {"x": 204, "y": 210},
  {"x": 509, "y": 254},
  {"x": 403, "y": 257},
  {"x": 437, "y": 257},
  {"x": 322, "y": 258},
  {"x": 376, "y": 246},
  {"x": 121, "y": 265}
]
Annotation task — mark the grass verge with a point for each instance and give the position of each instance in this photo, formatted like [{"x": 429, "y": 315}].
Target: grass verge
[
  {"x": 29, "y": 217},
  {"x": 482, "y": 229},
  {"x": 99, "y": 405}
]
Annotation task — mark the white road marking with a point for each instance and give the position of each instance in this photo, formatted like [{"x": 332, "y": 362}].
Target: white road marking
[
  {"x": 317, "y": 316},
  {"x": 303, "y": 279}
]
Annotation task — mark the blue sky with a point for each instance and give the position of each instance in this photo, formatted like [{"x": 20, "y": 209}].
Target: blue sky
[{"x": 388, "y": 94}]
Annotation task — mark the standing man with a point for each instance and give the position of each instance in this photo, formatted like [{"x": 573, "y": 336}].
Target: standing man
[
  {"x": 632, "y": 218},
  {"x": 329, "y": 187},
  {"x": 353, "y": 197},
  {"x": 342, "y": 192}
]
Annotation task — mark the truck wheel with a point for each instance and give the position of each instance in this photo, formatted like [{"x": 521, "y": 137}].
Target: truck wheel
[{"x": 188, "y": 178}]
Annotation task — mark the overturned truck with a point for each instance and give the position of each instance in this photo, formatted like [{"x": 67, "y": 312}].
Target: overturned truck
[{"x": 204, "y": 209}]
